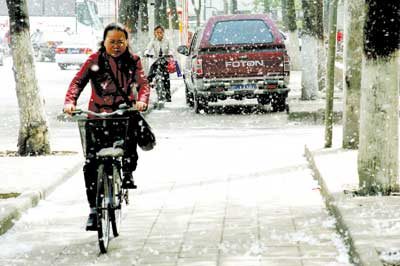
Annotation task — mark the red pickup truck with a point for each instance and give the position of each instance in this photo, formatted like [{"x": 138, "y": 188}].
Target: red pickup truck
[{"x": 236, "y": 56}]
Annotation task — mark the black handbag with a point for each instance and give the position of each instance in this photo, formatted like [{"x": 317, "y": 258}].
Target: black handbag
[
  {"x": 143, "y": 133},
  {"x": 145, "y": 136}
]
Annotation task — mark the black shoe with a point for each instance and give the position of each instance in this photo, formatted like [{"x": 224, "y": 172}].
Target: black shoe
[
  {"x": 127, "y": 181},
  {"x": 91, "y": 224},
  {"x": 168, "y": 100}
]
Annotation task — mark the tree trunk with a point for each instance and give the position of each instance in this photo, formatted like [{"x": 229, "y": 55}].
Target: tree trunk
[
  {"x": 174, "y": 14},
  {"x": 226, "y": 7},
  {"x": 321, "y": 45},
  {"x": 379, "y": 116},
  {"x": 163, "y": 15},
  {"x": 330, "y": 73},
  {"x": 325, "y": 17},
  {"x": 157, "y": 12},
  {"x": 267, "y": 7},
  {"x": 197, "y": 11},
  {"x": 129, "y": 15},
  {"x": 293, "y": 47},
  {"x": 234, "y": 6},
  {"x": 310, "y": 51},
  {"x": 353, "y": 39},
  {"x": 139, "y": 38},
  {"x": 144, "y": 14},
  {"x": 284, "y": 8},
  {"x": 33, "y": 138}
]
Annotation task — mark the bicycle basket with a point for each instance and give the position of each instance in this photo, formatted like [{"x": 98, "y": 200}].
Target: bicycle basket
[{"x": 103, "y": 133}]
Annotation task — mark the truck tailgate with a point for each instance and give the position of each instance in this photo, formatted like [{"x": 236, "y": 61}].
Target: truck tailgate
[{"x": 228, "y": 64}]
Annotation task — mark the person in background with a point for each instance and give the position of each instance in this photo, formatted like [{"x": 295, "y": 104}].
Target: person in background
[
  {"x": 160, "y": 46},
  {"x": 116, "y": 77}
]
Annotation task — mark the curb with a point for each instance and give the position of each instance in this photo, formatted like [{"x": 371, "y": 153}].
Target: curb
[
  {"x": 316, "y": 117},
  {"x": 30, "y": 199},
  {"x": 360, "y": 255}
]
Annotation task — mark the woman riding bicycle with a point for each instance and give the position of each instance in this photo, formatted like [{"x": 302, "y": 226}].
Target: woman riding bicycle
[
  {"x": 160, "y": 46},
  {"x": 116, "y": 77}
]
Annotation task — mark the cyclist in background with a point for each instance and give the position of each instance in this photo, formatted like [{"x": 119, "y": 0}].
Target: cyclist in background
[
  {"x": 160, "y": 46},
  {"x": 116, "y": 77}
]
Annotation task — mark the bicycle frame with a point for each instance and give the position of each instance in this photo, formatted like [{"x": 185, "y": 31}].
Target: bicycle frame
[{"x": 110, "y": 132}]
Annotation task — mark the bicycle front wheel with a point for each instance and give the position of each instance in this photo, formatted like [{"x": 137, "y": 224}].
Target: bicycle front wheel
[
  {"x": 116, "y": 206},
  {"x": 103, "y": 207}
]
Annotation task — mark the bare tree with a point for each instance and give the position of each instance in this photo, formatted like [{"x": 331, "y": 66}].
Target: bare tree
[
  {"x": 379, "y": 117},
  {"x": 234, "y": 6},
  {"x": 33, "y": 138},
  {"x": 353, "y": 42},
  {"x": 160, "y": 13},
  {"x": 129, "y": 15},
  {"x": 330, "y": 73},
  {"x": 293, "y": 47},
  {"x": 310, "y": 49},
  {"x": 163, "y": 14},
  {"x": 267, "y": 6},
  {"x": 144, "y": 15},
  {"x": 318, "y": 5},
  {"x": 284, "y": 14},
  {"x": 174, "y": 14},
  {"x": 226, "y": 7},
  {"x": 197, "y": 10}
]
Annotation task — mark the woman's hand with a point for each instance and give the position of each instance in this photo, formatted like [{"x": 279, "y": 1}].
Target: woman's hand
[
  {"x": 141, "y": 106},
  {"x": 69, "y": 108}
]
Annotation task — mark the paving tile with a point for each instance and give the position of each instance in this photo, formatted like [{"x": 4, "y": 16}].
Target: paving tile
[
  {"x": 239, "y": 261},
  {"x": 280, "y": 262},
  {"x": 196, "y": 262},
  {"x": 323, "y": 262},
  {"x": 322, "y": 251}
]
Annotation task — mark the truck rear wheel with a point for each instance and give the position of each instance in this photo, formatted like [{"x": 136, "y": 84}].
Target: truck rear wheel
[
  {"x": 263, "y": 99},
  {"x": 278, "y": 104},
  {"x": 199, "y": 103}
]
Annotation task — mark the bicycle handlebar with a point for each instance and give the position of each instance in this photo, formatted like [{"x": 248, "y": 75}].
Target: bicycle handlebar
[
  {"x": 103, "y": 114},
  {"x": 77, "y": 112},
  {"x": 157, "y": 57}
]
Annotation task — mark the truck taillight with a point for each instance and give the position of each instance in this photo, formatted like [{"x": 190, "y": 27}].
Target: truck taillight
[
  {"x": 86, "y": 51},
  {"x": 61, "y": 51},
  {"x": 198, "y": 67},
  {"x": 286, "y": 63}
]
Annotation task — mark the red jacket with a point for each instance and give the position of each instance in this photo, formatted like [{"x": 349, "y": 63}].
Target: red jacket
[{"x": 105, "y": 97}]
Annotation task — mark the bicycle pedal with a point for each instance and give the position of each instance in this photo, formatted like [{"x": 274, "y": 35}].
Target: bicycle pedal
[{"x": 126, "y": 197}]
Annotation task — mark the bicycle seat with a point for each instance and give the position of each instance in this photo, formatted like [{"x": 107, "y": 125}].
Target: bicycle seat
[{"x": 110, "y": 152}]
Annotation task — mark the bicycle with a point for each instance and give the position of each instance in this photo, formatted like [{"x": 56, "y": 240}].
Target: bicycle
[
  {"x": 160, "y": 63},
  {"x": 110, "y": 130}
]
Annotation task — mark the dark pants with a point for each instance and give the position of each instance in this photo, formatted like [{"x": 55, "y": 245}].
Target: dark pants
[
  {"x": 100, "y": 134},
  {"x": 165, "y": 77}
]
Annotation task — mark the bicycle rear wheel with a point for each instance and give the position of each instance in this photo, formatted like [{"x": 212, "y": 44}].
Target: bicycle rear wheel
[
  {"x": 103, "y": 207},
  {"x": 116, "y": 206}
]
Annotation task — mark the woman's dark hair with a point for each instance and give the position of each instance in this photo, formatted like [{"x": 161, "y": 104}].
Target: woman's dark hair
[
  {"x": 110, "y": 27},
  {"x": 126, "y": 59},
  {"x": 159, "y": 27}
]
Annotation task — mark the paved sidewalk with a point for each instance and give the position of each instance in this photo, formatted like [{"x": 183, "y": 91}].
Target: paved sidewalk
[
  {"x": 31, "y": 179},
  {"x": 302, "y": 243},
  {"x": 371, "y": 225}
]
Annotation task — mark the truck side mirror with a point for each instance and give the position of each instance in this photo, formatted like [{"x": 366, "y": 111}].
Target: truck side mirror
[{"x": 182, "y": 49}]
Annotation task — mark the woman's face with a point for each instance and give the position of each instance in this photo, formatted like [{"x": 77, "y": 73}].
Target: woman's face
[
  {"x": 159, "y": 34},
  {"x": 115, "y": 43}
]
